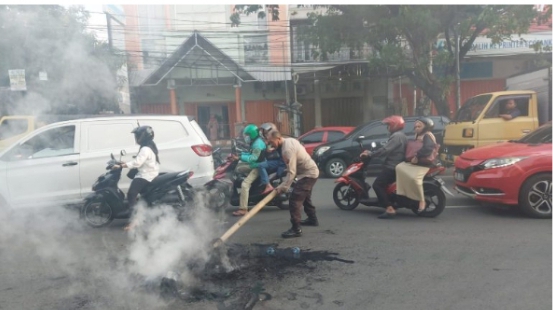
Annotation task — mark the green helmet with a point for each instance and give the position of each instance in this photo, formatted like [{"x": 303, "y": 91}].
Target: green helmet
[{"x": 251, "y": 132}]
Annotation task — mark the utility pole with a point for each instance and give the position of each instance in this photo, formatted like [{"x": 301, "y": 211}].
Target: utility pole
[
  {"x": 457, "y": 70},
  {"x": 110, "y": 39}
]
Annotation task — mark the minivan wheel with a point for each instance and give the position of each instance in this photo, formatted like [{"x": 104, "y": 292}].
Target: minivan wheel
[
  {"x": 535, "y": 196},
  {"x": 335, "y": 167}
]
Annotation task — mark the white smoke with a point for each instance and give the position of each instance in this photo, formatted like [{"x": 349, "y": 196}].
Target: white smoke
[
  {"x": 105, "y": 268},
  {"x": 161, "y": 243}
]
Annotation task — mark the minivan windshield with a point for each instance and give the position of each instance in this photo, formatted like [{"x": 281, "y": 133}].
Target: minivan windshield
[
  {"x": 540, "y": 135},
  {"x": 472, "y": 108}
]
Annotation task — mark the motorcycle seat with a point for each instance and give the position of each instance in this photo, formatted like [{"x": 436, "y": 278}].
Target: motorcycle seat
[{"x": 163, "y": 177}]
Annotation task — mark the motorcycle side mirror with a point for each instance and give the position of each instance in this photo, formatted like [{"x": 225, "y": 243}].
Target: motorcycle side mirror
[
  {"x": 112, "y": 157},
  {"x": 123, "y": 152},
  {"x": 360, "y": 140}
]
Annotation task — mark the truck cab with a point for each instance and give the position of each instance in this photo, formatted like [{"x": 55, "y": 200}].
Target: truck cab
[
  {"x": 13, "y": 128},
  {"x": 479, "y": 122}
]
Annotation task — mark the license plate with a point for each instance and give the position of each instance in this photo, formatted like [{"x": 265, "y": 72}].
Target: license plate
[{"x": 459, "y": 176}]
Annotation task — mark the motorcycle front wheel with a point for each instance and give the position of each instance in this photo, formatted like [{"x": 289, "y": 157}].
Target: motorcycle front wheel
[
  {"x": 97, "y": 212},
  {"x": 345, "y": 197},
  {"x": 435, "y": 202}
]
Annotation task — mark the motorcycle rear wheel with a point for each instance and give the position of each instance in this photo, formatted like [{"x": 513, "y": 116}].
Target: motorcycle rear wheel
[
  {"x": 345, "y": 197},
  {"x": 97, "y": 213},
  {"x": 435, "y": 202}
]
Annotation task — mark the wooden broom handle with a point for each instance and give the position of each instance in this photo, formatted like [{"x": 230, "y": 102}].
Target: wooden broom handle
[{"x": 245, "y": 218}]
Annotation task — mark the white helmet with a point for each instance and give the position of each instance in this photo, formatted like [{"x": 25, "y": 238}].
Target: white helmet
[{"x": 266, "y": 128}]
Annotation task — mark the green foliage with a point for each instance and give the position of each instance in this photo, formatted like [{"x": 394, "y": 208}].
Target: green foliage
[
  {"x": 272, "y": 9},
  {"x": 81, "y": 70},
  {"x": 401, "y": 39}
]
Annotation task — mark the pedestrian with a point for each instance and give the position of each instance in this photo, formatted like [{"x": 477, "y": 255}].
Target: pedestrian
[
  {"x": 301, "y": 167},
  {"x": 213, "y": 127}
]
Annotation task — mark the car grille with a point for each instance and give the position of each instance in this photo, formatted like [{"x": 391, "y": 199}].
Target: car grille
[
  {"x": 455, "y": 149},
  {"x": 464, "y": 173}
]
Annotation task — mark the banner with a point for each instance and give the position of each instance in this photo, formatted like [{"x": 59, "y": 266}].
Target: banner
[{"x": 17, "y": 80}]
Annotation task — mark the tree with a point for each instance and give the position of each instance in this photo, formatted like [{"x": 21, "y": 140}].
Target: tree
[
  {"x": 401, "y": 39},
  {"x": 81, "y": 71}
]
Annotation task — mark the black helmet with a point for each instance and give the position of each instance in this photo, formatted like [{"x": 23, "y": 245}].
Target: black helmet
[
  {"x": 428, "y": 123},
  {"x": 265, "y": 128},
  {"x": 143, "y": 134}
]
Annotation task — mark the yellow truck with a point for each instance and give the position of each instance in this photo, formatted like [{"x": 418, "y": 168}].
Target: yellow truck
[{"x": 479, "y": 121}]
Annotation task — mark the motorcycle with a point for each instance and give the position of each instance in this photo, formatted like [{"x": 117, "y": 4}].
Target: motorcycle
[
  {"x": 352, "y": 189},
  {"x": 223, "y": 188},
  {"x": 107, "y": 202},
  {"x": 217, "y": 157}
]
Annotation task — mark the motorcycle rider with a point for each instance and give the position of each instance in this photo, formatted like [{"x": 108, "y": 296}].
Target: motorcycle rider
[
  {"x": 394, "y": 152},
  {"x": 257, "y": 155},
  {"x": 274, "y": 159},
  {"x": 146, "y": 161}
]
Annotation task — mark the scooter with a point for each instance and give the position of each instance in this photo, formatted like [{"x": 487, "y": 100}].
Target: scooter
[
  {"x": 217, "y": 157},
  {"x": 108, "y": 201},
  {"x": 223, "y": 188},
  {"x": 352, "y": 189}
]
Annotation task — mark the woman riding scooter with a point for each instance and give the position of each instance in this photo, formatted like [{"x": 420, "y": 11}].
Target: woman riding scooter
[{"x": 146, "y": 163}]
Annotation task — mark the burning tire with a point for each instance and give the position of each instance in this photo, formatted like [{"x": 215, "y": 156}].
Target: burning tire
[
  {"x": 97, "y": 212},
  {"x": 345, "y": 197}
]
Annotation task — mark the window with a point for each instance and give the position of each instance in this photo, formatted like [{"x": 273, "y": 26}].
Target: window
[
  {"x": 165, "y": 131},
  {"x": 13, "y": 127},
  {"x": 540, "y": 135},
  {"x": 498, "y": 107},
  {"x": 409, "y": 128},
  {"x": 110, "y": 137},
  {"x": 334, "y": 135},
  {"x": 472, "y": 108},
  {"x": 54, "y": 142},
  {"x": 256, "y": 49},
  {"x": 376, "y": 132},
  {"x": 315, "y": 137}
]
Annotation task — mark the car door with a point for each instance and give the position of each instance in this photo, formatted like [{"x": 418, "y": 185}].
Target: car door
[
  {"x": 45, "y": 168},
  {"x": 334, "y": 135},
  {"x": 312, "y": 140},
  {"x": 493, "y": 129},
  {"x": 99, "y": 140},
  {"x": 377, "y": 133}
]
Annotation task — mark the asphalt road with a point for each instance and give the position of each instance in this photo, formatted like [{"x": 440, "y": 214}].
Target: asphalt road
[{"x": 470, "y": 257}]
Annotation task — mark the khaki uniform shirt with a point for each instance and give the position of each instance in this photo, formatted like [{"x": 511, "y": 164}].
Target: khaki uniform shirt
[{"x": 299, "y": 163}]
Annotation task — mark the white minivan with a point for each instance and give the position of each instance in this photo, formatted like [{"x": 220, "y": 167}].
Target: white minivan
[{"x": 58, "y": 163}]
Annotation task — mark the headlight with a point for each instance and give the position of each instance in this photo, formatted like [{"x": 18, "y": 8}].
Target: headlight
[
  {"x": 322, "y": 150},
  {"x": 500, "y": 162}
]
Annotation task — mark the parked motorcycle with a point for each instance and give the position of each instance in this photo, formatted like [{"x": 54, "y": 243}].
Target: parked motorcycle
[
  {"x": 352, "y": 189},
  {"x": 108, "y": 201},
  {"x": 223, "y": 188}
]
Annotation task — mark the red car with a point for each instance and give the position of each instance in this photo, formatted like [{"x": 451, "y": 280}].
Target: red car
[
  {"x": 318, "y": 136},
  {"x": 512, "y": 173}
]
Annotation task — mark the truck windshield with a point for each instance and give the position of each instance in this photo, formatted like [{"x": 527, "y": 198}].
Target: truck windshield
[
  {"x": 12, "y": 127},
  {"x": 540, "y": 135},
  {"x": 472, "y": 108}
]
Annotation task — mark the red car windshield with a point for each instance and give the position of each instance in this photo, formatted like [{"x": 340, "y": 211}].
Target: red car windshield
[{"x": 540, "y": 135}]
